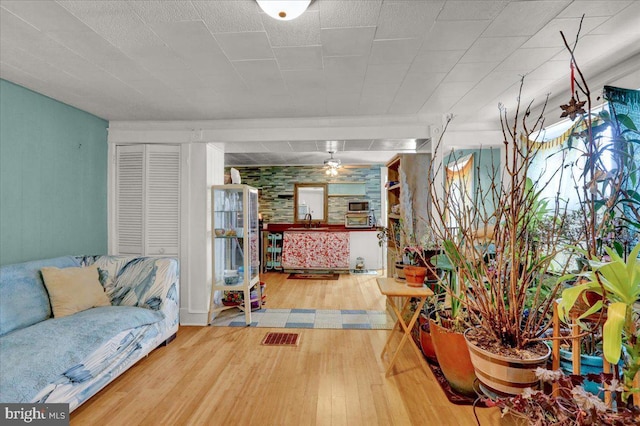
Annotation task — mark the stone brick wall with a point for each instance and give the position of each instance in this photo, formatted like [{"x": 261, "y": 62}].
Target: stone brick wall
[{"x": 275, "y": 181}]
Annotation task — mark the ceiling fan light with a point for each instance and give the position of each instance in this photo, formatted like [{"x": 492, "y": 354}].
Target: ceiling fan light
[
  {"x": 332, "y": 171},
  {"x": 284, "y": 10},
  {"x": 332, "y": 162}
]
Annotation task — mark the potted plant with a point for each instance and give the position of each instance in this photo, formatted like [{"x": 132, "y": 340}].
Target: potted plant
[
  {"x": 609, "y": 212},
  {"x": 610, "y": 205},
  {"x": 414, "y": 265},
  {"x": 446, "y": 331},
  {"x": 572, "y": 406},
  {"x": 508, "y": 295},
  {"x": 412, "y": 255},
  {"x": 618, "y": 282},
  {"x": 424, "y": 333}
]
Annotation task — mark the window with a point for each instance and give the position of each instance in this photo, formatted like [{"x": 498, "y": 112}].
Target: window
[{"x": 559, "y": 145}]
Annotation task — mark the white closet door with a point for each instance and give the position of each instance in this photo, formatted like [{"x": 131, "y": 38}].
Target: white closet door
[
  {"x": 129, "y": 199},
  {"x": 148, "y": 199},
  {"x": 162, "y": 206}
]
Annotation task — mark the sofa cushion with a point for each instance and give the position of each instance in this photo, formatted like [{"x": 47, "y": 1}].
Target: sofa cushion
[
  {"x": 72, "y": 290},
  {"x": 33, "y": 357},
  {"x": 23, "y": 299}
]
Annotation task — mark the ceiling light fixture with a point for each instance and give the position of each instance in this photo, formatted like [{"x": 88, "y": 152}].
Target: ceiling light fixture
[
  {"x": 332, "y": 165},
  {"x": 284, "y": 10}
]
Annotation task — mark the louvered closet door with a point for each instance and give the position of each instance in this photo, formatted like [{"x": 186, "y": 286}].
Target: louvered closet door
[
  {"x": 162, "y": 207},
  {"x": 129, "y": 199},
  {"x": 148, "y": 199}
]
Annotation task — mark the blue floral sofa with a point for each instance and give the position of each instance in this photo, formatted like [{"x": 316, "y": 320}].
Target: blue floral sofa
[{"x": 69, "y": 359}]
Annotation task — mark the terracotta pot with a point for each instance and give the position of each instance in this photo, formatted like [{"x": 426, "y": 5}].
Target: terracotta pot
[
  {"x": 426, "y": 343},
  {"x": 453, "y": 357},
  {"x": 415, "y": 275},
  {"x": 503, "y": 375}
]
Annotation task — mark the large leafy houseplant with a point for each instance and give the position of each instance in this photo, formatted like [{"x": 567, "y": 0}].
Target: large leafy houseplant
[
  {"x": 618, "y": 282},
  {"x": 610, "y": 209}
]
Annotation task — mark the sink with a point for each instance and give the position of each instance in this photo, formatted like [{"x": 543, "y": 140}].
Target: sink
[{"x": 307, "y": 229}]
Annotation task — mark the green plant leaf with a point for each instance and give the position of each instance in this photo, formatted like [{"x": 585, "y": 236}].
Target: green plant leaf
[
  {"x": 592, "y": 310},
  {"x": 633, "y": 272},
  {"x": 625, "y": 120},
  {"x": 618, "y": 247},
  {"x": 612, "y": 332},
  {"x": 570, "y": 296}
]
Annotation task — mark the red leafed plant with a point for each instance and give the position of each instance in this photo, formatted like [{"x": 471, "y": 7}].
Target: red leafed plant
[{"x": 572, "y": 406}]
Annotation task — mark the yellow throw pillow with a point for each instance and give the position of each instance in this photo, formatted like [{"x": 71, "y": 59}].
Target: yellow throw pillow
[{"x": 73, "y": 290}]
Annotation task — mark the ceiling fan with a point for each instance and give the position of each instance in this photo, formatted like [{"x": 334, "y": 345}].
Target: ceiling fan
[{"x": 332, "y": 164}]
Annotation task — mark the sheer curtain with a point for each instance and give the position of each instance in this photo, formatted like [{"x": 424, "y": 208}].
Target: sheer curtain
[{"x": 459, "y": 189}]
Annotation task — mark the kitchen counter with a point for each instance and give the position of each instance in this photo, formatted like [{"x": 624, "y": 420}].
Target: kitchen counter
[
  {"x": 329, "y": 246},
  {"x": 315, "y": 250}
]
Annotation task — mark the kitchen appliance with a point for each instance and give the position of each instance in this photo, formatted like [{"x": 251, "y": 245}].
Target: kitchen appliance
[
  {"x": 357, "y": 220},
  {"x": 359, "y": 206}
]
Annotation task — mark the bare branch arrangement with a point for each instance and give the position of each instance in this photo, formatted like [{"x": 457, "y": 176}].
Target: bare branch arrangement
[{"x": 495, "y": 239}]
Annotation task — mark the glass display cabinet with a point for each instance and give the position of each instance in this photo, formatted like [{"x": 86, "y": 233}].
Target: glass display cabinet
[{"x": 235, "y": 249}]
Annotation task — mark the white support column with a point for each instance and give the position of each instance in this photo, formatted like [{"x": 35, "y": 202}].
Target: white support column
[
  {"x": 438, "y": 151},
  {"x": 206, "y": 168}
]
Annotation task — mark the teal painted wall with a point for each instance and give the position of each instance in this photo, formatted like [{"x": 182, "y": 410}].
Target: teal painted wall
[{"x": 53, "y": 178}]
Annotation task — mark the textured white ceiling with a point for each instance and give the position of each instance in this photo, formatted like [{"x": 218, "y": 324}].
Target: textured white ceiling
[{"x": 226, "y": 60}]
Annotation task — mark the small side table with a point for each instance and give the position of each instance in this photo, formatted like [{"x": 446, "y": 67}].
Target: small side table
[{"x": 391, "y": 288}]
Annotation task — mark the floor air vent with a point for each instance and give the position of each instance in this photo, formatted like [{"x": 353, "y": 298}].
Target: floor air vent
[{"x": 281, "y": 339}]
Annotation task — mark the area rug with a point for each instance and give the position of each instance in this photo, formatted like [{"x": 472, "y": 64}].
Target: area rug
[
  {"x": 345, "y": 319},
  {"x": 453, "y": 396},
  {"x": 281, "y": 339},
  {"x": 311, "y": 276}
]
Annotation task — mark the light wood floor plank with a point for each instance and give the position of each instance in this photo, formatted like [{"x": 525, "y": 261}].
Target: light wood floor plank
[{"x": 223, "y": 376}]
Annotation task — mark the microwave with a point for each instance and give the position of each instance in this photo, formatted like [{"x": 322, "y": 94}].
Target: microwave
[
  {"x": 358, "y": 206},
  {"x": 357, "y": 220}
]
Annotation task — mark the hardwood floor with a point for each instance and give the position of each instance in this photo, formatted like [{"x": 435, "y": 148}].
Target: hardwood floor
[{"x": 223, "y": 376}]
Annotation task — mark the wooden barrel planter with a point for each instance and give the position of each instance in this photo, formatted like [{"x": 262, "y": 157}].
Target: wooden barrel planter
[
  {"x": 453, "y": 358},
  {"x": 503, "y": 375},
  {"x": 400, "y": 271}
]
